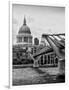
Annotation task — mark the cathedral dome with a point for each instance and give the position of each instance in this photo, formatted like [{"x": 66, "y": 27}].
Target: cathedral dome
[{"x": 24, "y": 29}]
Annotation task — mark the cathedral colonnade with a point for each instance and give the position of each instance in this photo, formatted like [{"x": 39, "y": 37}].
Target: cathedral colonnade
[{"x": 24, "y": 38}]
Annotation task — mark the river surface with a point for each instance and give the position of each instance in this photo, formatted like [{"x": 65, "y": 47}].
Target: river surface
[{"x": 28, "y": 76}]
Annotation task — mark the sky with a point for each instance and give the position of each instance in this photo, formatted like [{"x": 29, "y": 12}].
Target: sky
[{"x": 40, "y": 19}]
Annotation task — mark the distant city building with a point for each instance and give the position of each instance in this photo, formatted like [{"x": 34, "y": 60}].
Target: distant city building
[
  {"x": 24, "y": 35},
  {"x": 43, "y": 42},
  {"x": 36, "y": 41}
]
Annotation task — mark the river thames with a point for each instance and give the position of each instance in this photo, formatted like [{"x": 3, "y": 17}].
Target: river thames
[{"x": 28, "y": 76}]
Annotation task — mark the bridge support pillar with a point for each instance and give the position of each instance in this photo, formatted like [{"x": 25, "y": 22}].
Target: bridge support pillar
[
  {"x": 61, "y": 66},
  {"x": 35, "y": 64}
]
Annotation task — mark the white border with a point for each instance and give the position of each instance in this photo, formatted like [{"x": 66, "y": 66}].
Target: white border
[
  {"x": 28, "y": 3},
  {"x": 47, "y": 3},
  {"x": 10, "y": 44}
]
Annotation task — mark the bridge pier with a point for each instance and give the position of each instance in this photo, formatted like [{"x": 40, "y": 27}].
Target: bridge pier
[
  {"x": 61, "y": 66},
  {"x": 35, "y": 63}
]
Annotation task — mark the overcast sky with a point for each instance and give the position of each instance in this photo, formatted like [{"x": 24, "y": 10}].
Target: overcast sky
[{"x": 40, "y": 19}]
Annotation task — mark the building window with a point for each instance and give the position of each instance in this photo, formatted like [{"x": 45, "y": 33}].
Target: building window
[
  {"x": 25, "y": 39},
  {"x": 48, "y": 59},
  {"x": 56, "y": 61},
  {"x": 52, "y": 58},
  {"x": 35, "y": 49},
  {"x": 20, "y": 39},
  {"x": 30, "y": 40},
  {"x": 31, "y": 50},
  {"x": 42, "y": 60},
  {"x": 45, "y": 61}
]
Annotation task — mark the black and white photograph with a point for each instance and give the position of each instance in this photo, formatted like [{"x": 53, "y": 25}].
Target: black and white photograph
[{"x": 38, "y": 44}]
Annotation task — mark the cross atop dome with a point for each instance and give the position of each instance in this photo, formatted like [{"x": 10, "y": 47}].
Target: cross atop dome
[{"x": 24, "y": 23}]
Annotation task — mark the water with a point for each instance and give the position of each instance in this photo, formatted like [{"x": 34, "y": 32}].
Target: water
[{"x": 27, "y": 76}]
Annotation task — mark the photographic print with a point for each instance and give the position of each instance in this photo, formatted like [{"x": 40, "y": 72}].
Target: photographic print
[{"x": 38, "y": 44}]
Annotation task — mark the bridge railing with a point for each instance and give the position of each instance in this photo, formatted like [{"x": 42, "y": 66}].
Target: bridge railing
[{"x": 56, "y": 44}]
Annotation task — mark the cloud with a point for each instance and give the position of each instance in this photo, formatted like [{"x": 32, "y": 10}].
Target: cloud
[
  {"x": 30, "y": 19},
  {"x": 14, "y": 21}
]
